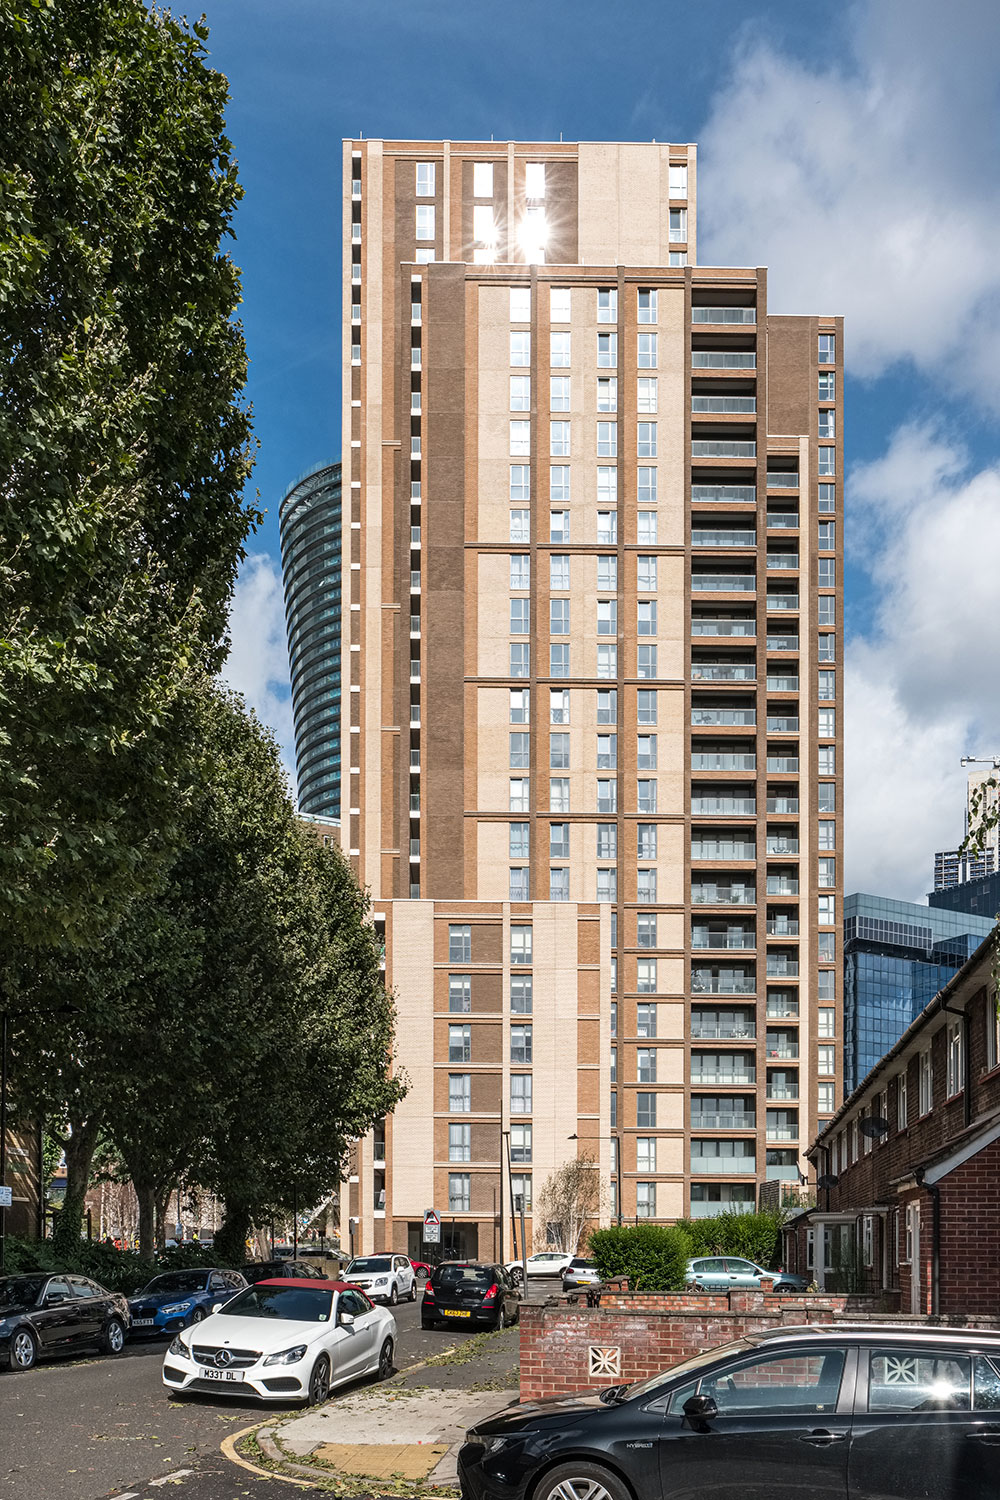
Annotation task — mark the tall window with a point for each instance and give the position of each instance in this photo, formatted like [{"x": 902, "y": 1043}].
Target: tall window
[
  {"x": 607, "y": 350},
  {"x": 520, "y": 1143},
  {"x": 902, "y": 1101},
  {"x": 520, "y": 699},
  {"x": 459, "y": 1093},
  {"x": 459, "y": 943},
  {"x": 520, "y": 945},
  {"x": 460, "y": 992},
  {"x": 607, "y": 305},
  {"x": 648, "y": 351},
  {"x": 559, "y": 304},
  {"x": 425, "y": 221},
  {"x": 459, "y": 1195},
  {"x": 559, "y": 350},
  {"x": 559, "y": 392},
  {"x": 645, "y": 1200},
  {"x": 520, "y": 1093},
  {"x": 534, "y": 179},
  {"x": 645, "y": 1015},
  {"x": 645, "y": 1111},
  {"x": 520, "y": 1044},
  {"x": 926, "y": 1082},
  {"x": 520, "y": 994},
  {"x": 482, "y": 179},
  {"x": 425, "y": 179},
  {"x": 459, "y": 1044},
  {"x": 459, "y": 1142},
  {"x": 520, "y": 348},
  {"x": 647, "y": 305},
  {"x": 520, "y": 660},
  {"x": 955, "y": 1079}
]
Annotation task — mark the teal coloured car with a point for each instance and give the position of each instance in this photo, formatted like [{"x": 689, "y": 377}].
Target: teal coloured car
[{"x": 722, "y": 1273}]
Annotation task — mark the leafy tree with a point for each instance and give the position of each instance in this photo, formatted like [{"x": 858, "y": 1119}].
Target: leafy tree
[
  {"x": 124, "y": 446},
  {"x": 569, "y": 1200},
  {"x": 755, "y": 1236},
  {"x": 654, "y": 1257}
]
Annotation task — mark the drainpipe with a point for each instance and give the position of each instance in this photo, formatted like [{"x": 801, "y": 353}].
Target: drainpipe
[
  {"x": 966, "y": 1059},
  {"x": 935, "y": 1192}
]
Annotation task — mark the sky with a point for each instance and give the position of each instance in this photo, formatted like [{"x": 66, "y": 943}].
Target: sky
[{"x": 851, "y": 148}]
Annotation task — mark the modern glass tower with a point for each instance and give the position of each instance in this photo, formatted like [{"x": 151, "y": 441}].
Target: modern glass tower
[{"x": 310, "y": 520}]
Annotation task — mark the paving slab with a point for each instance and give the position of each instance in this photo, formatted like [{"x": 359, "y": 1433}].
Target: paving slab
[{"x": 401, "y": 1417}]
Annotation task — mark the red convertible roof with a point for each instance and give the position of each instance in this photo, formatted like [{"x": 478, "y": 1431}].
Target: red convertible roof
[{"x": 309, "y": 1284}]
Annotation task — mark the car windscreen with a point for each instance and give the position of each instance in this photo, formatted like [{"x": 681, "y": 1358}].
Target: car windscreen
[
  {"x": 20, "y": 1291},
  {"x": 448, "y": 1277},
  {"x": 295, "y": 1304},
  {"x": 583, "y": 1265},
  {"x": 174, "y": 1282},
  {"x": 687, "y": 1367},
  {"x": 366, "y": 1263}
]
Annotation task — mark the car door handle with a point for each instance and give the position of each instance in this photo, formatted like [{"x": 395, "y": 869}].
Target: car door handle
[{"x": 821, "y": 1438}]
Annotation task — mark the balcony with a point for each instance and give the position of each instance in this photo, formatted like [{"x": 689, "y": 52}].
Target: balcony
[
  {"x": 714, "y": 538},
  {"x": 728, "y": 1166},
  {"x": 744, "y": 1080},
  {"x": 781, "y": 1133},
  {"x": 782, "y": 843},
  {"x": 711, "y": 494},
  {"x": 724, "y": 625},
  {"x": 722, "y": 315},
  {"x": 781, "y": 885},
  {"x": 782, "y": 1091},
  {"x": 718, "y": 760},
  {"x": 723, "y": 448},
  {"x": 782, "y": 643},
  {"x": 782, "y": 520},
  {"x": 782, "y": 763},
  {"x": 782, "y": 1008},
  {"x": 725, "y": 717},
  {"x": 723, "y": 359},
  {"x": 783, "y": 601},
  {"x": 706, "y": 1027},
  {"x": 784, "y": 1050},
  {"x": 782, "y": 724},
  {"x": 723, "y": 671},
  {"x": 723, "y": 583},
  {"x": 724, "y": 1120},
  {"x": 702, "y": 848},
  {"x": 782, "y": 479},
  {"x": 715, "y": 807},
  {"x": 787, "y": 561},
  {"x": 705, "y": 937},
  {"x": 722, "y": 982},
  {"x": 783, "y": 805},
  {"x": 708, "y": 893},
  {"x": 782, "y": 682},
  {"x": 781, "y": 966},
  {"x": 725, "y": 405}
]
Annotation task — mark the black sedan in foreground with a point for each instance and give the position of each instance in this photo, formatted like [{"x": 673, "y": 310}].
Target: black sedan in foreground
[
  {"x": 840, "y": 1412},
  {"x": 478, "y": 1292},
  {"x": 42, "y": 1315}
]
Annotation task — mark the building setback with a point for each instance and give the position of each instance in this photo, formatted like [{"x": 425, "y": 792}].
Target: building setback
[{"x": 593, "y": 697}]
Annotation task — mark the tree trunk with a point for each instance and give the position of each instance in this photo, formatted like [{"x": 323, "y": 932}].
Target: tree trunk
[
  {"x": 147, "y": 1220},
  {"x": 79, "y": 1152},
  {"x": 160, "y": 1201},
  {"x": 231, "y": 1238}
]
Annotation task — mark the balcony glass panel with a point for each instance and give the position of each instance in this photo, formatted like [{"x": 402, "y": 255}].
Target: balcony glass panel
[
  {"x": 712, "y": 493},
  {"x": 723, "y": 359},
  {"x": 717, "y": 1025},
  {"x": 723, "y": 583},
  {"x": 711, "y": 717},
  {"x": 782, "y": 763},
  {"x": 712, "y": 893},
  {"x": 782, "y": 804},
  {"x": 782, "y": 682},
  {"x": 743, "y": 807},
  {"x": 782, "y": 601},
  {"x": 720, "y": 315},
  {"x": 781, "y": 967},
  {"x": 722, "y": 448},
  {"x": 718, "y": 538},
  {"x": 727, "y": 1166},
  {"x": 782, "y": 724},
  {"x": 723, "y": 982},
  {"x": 781, "y": 843},
  {"x": 782, "y": 479},
  {"x": 714, "y": 1112},
  {"x": 723, "y": 671},
  {"x": 781, "y": 1044},
  {"x": 782, "y": 643},
  {"x": 725, "y": 405},
  {"x": 718, "y": 760},
  {"x": 782, "y": 520},
  {"x": 782, "y": 885},
  {"x": 782, "y": 927},
  {"x": 723, "y": 937},
  {"x": 783, "y": 560},
  {"x": 728, "y": 1068},
  {"x": 720, "y": 1201},
  {"x": 704, "y": 847},
  {"x": 782, "y": 1005},
  {"x": 723, "y": 625}
]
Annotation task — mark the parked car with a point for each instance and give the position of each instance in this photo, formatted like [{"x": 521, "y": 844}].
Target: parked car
[
  {"x": 420, "y": 1267},
  {"x": 385, "y": 1278},
  {"x": 42, "y": 1315},
  {"x": 580, "y": 1272},
  {"x": 263, "y": 1270},
  {"x": 543, "y": 1263},
  {"x": 284, "y": 1338},
  {"x": 176, "y": 1299},
  {"x": 854, "y": 1412},
  {"x": 478, "y": 1292},
  {"x": 717, "y": 1273}
]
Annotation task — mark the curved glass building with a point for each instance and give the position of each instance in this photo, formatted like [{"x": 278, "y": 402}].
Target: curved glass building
[{"x": 310, "y": 520}]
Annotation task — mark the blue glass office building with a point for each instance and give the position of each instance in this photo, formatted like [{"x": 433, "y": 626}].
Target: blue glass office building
[
  {"x": 897, "y": 955},
  {"x": 311, "y": 537}
]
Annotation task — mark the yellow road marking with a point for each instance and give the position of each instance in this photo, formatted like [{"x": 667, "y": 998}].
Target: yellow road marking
[{"x": 228, "y": 1446}]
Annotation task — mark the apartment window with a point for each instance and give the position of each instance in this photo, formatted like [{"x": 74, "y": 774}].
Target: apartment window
[
  {"x": 614, "y": 1065},
  {"x": 645, "y": 1015},
  {"x": 520, "y": 1044},
  {"x": 647, "y": 395},
  {"x": 607, "y": 842},
  {"x": 827, "y": 423},
  {"x": 559, "y": 526},
  {"x": 520, "y": 1148},
  {"x": 925, "y": 1079},
  {"x": 520, "y": 393},
  {"x": 520, "y": 570},
  {"x": 520, "y": 482},
  {"x": 827, "y": 348},
  {"x": 559, "y": 794},
  {"x": 826, "y": 947},
  {"x": 423, "y": 256},
  {"x": 954, "y": 1056},
  {"x": 459, "y": 1043},
  {"x": 559, "y": 304},
  {"x": 520, "y": 751},
  {"x": 607, "y": 526},
  {"x": 646, "y": 711},
  {"x": 559, "y": 841},
  {"x": 646, "y": 573},
  {"x": 559, "y": 439},
  {"x": 607, "y": 439},
  {"x": 826, "y": 1059},
  {"x": 520, "y": 525},
  {"x": 520, "y": 944},
  {"x": 646, "y": 522},
  {"x": 559, "y": 752},
  {"x": 559, "y": 483},
  {"x": 607, "y": 351},
  {"x": 607, "y": 661},
  {"x": 646, "y": 752},
  {"x": 534, "y": 179},
  {"x": 645, "y": 1200},
  {"x": 460, "y": 993},
  {"x": 425, "y": 221},
  {"x": 647, "y": 356},
  {"x": 607, "y": 795},
  {"x": 459, "y": 943},
  {"x": 559, "y": 661},
  {"x": 902, "y": 1115},
  {"x": 646, "y": 840},
  {"x": 645, "y": 984},
  {"x": 482, "y": 179},
  {"x": 425, "y": 179},
  {"x": 559, "y": 349},
  {"x": 520, "y": 439},
  {"x": 607, "y": 617},
  {"x": 678, "y": 225},
  {"x": 558, "y": 705},
  {"x": 459, "y": 1093},
  {"x": 645, "y": 930},
  {"x": 645, "y": 663},
  {"x": 827, "y": 1018},
  {"x": 520, "y": 1093},
  {"x": 607, "y": 393},
  {"x": 826, "y": 497},
  {"x": 824, "y": 1098},
  {"x": 646, "y": 617},
  {"x": 828, "y": 872},
  {"x": 607, "y": 752},
  {"x": 647, "y": 440},
  {"x": 678, "y": 182},
  {"x": 826, "y": 572},
  {"x": 519, "y": 794},
  {"x": 827, "y": 385},
  {"x": 559, "y": 392},
  {"x": 646, "y": 495},
  {"x": 520, "y": 296},
  {"x": 613, "y": 1110},
  {"x": 826, "y": 797},
  {"x": 520, "y": 710},
  {"x": 645, "y": 1111},
  {"x": 520, "y": 348},
  {"x": 826, "y": 910},
  {"x": 677, "y": 258},
  {"x": 559, "y": 617},
  {"x": 607, "y": 305},
  {"x": 646, "y": 887},
  {"x": 520, "y": 994},
  {"x": 520, "y": 659},
  {"x": 607, "y": 706},
  {"x": 827, "y": 834},
  {"x": 520, "y": 616},
  {"x": 459, "y": 1199},
  {"x": 558, "y": 884},
  {"x": 827, "y": 684},
  {"x": 647, "y": 305},
  {"x": 459, "y": 1142},
  {"x": 827, "y": 612},
  {"x": 518, "y": 841},
  {"x": 646, "y": 795},
  {"x": 614, "y": 1018},
  {"x": 827, "y": 761},
  {"x": 827, "y": 461}
]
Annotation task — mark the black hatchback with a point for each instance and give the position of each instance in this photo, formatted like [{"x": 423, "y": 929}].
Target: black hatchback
[
  {"x": 469, "y": 1291},
  {"x": 841, "y": 1412}
]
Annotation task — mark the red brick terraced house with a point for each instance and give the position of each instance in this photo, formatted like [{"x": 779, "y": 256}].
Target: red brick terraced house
[{"x": 909, "y": 1166}]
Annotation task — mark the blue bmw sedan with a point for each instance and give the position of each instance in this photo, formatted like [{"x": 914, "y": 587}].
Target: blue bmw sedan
[{"x": 176, "y": 1299}]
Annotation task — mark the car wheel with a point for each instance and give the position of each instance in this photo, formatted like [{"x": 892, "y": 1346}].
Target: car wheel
[
  {"x": 23, "y": 1349},
  {"x": 517, "y": 1277},
  {"x": 413, "y": 1291},
  {"x": 385, "y": 1361},
  {"x": 198, "y": 1316},
  {"x": 393, "y": 1295},
  {"x": 581, "y": 1481},
  {"x": 319, "y": 1382},
  {"x": 426, "y": 1326},
  {"x": 113, "y": 1337},
  {"x": 501, "y": 1320}
]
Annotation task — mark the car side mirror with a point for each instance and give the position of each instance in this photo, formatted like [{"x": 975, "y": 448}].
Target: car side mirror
[
  {"x": 216, "y": 1307},
  {"x": 55, "y": 1299},
  {"x": 698, "y": 1410},
  {"x": 346, "y": 1320}
]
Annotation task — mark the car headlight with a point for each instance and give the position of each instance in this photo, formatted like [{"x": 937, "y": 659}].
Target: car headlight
[
  {"x": 175, "y": 1308},
  {"x": 488, "y": 1444},
  {"x": 179, "y": 1348},
  {"x": 287, "y": 1356},
  {"x": 6, "y": 1324},
  {"x": 381, "y": 1281}
]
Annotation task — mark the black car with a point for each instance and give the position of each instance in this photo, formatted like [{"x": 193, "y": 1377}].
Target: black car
[
  {"x": 840, "y": 1412},
  {"x": 470, "y": 1291},
  {"x": 42, "y": 1315},
  {"x": 265, "y": 1270}
]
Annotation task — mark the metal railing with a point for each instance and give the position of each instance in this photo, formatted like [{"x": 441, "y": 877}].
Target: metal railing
[
  {"x": 723, "y": 359},
  {"x": 782, "y": 479},
  {"x": 722, "y": 448},
  {"x": 711, "y": 493},
  {"x": 721, "y": 315},
  {"x": 723, "y": 583}
]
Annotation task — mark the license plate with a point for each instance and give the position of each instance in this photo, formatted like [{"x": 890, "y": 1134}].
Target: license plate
[
  {"x": 456, "y": 1312},
  {"x": 206, "y": 1373},
  {"x": 143, "y": 1322}
]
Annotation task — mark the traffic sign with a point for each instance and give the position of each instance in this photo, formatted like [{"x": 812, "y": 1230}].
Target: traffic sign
[
  {"x": 6, "y": 1197},
  {"x": 432, "y": 1227}
]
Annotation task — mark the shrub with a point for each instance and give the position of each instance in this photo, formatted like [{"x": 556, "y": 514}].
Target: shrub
[
  {"x": 654, "y": 1257},
  {"x": 118, "y": 1270},
  {"x": 755, "y": 1236}
]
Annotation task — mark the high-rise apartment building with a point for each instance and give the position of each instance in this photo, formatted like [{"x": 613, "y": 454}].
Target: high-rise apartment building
[
  {"x": 954, "y": 867},
  {"x": 593, "y": 684}
]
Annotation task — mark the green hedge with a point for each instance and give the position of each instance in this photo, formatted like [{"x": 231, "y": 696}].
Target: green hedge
[
  {"x": 654, "y": 1257},
  {"x": 119, "y": 1270},
  {"x": 756, "y": 1236}
]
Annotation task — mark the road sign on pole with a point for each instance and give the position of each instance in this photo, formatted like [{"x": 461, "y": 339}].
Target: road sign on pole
[
  {"x": 432, "y": 1227},
  {"x": 6, "y": 1197}
]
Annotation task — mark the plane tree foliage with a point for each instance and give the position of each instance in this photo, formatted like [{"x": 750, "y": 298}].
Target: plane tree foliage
[{"x": 125, "y": 446}]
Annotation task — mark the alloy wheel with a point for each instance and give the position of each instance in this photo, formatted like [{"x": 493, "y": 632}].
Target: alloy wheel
[
  {"x": 579, "y": 1489},
  {"x": 385, "y": 1361},
  {"x": 23, "y": 1350},
  {"x": 115, "y": 1337},
  {"x": 319, "y": 1381}
]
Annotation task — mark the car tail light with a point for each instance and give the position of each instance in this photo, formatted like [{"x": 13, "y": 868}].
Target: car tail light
[
  {"x": 428, "y": 1293},
  {"x": 491, "y": 1294}
]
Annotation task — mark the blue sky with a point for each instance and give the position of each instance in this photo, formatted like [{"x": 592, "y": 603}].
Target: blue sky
[{"x": 850, "y": 148}]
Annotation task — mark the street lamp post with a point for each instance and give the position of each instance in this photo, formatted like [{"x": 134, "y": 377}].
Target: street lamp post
[{"x": 3, "y": 1135}]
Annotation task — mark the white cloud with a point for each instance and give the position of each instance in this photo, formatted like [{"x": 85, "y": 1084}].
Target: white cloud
[
  {"x": 869, "y": 187},
  {"x": 257, "y": 665},
  {"x": 922, "y": 686}
]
